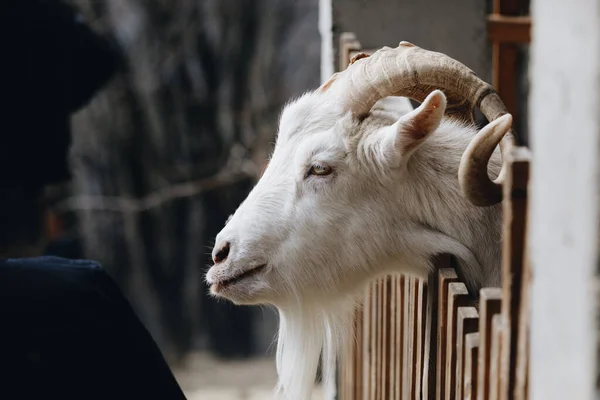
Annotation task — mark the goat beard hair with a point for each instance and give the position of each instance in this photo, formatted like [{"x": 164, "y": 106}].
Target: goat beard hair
[{"x": 305, "y": 333}]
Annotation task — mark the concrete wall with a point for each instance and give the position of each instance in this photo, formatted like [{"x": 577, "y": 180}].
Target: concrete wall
[
  {"x": 456, "y": 28},
  {"x": 564, "y": 207}
]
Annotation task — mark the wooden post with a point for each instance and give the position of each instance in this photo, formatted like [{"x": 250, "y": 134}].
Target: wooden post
[
  {"x": 467, "y": 322},
  {"x": 409, "y": 326},
  {"x": 400, "y": 340},
  {"x": 513, "y": 251},
  {"x": 431, "y": 327},
  {"x": 498, "y": 343},
  {"x": 445, "y": 277},
  {"x": 458, "y": 296},
  {"x": 522, "y": 367},
  {"x": 490, "y": 301},
  {"x": 421, "y": 288},
  {"x": 471, "y": 368},
  {"x": 506, "y": 29}
]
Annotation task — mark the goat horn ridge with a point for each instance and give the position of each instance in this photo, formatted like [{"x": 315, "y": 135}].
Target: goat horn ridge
[
  {"x": 413, "y": 72},
  {"x": 473, "y": 170}
]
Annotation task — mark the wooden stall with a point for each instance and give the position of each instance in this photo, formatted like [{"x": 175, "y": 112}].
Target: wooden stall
[{"x": 480, "y": 340}]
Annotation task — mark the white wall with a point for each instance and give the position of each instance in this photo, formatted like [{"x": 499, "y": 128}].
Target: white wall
[
  {"x": 565, "y": 132},
  {"x": 325, "y": 29}
]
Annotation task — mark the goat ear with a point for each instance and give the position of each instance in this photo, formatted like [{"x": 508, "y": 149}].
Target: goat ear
[{"x": 403, "y": 137}]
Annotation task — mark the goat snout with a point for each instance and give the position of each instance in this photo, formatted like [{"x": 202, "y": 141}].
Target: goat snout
[{"x": 221, "y": 252}]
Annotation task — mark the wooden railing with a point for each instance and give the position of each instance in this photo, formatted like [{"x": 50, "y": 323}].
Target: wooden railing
[{"x": 479, "y": 340}]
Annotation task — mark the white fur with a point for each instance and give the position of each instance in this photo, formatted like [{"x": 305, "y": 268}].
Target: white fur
[{"x": 392, "y": 203}]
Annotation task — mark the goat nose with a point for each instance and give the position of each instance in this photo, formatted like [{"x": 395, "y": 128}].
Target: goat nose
[{"x": 220, "y": 254}]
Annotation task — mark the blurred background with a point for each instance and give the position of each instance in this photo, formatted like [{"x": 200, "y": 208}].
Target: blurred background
[{"x": 164, "y": 154}]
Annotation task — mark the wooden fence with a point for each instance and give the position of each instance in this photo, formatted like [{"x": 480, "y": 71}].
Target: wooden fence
[{"x": 480, "y": 346}]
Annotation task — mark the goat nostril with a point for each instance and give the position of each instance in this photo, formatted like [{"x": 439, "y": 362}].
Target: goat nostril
[{"x": 222, "y": 253}]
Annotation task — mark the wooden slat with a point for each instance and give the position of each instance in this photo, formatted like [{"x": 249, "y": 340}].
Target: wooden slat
[
  {"x": 522, "y": 368},
  {"x": 445, "y": 277},
  {"x": 391, "y": 282},
  {"x": 409, "y": 316},
  {"x": 422, "y": 316},
  {"x": 400, "y": 338},
  {"x": 458, "y": 296},
  {"x": 385, "y": 382},
  {"x": 358, "y": 355},
  {"x": 431, "y": 326},
  {"x": 504, "y": 59},
  {"x": 513, "y": 252},
  {"x": 503, "y": 29},
  {"x": 490, "y": 301},
  {"x": 504, "y": 75},
  {"x": 394, "y": 345},
  {"x": 471, "y": 359},
  {"x": 414, "y": 394},
  {"x": 368, "y": 343},
  {"x": 467, "y": 323},
  {"x": 378, "y": 339},
  {"x": 351, "y": 386},
  {"x": 498, "y": 328},
  {"x": 378, "y": 366}
]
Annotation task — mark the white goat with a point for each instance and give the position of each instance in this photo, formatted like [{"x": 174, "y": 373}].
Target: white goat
[{"x": 354, "y": 191}]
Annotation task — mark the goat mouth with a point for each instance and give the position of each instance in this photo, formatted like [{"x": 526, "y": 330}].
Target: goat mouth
[{"x": 220, "y": 285}]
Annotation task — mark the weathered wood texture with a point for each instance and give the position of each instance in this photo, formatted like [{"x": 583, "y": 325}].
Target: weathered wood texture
[
  {"x": 467, "y": 323},
  {"x": 471, "y": 359},
  {"x": 514, "y": 270},
  {"x": 509, "y": 32},
  {"x": 479, "y": 349},
  {"x": 175, "y": 143}
]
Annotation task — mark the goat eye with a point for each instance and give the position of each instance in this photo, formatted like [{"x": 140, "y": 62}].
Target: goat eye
[{"x": 320, "y": 170}]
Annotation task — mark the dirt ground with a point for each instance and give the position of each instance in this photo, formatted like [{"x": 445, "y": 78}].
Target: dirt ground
[{"x": 203, "y": 377}]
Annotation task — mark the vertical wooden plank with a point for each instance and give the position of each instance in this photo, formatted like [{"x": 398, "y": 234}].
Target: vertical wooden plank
[
  {"x": 445, "y": 277},
  {"x": 414, "y": 340},
  {"x": 387, "y": 329},
  {"x": 490, "y": 301},
  {"x": 368, "y": 343},
  {"x": 470, "y": 373},
  {"x": 420, "y": 332},
  {"x": 504, "y": 61},
  {"x": 431, "y": 328},
  {"x": 458, "y": 296},
  {"x": 513, "y": 251},
  {"x": 393, "y": 328},
  {"x": 400, "y": 338},
  {"x": 377, "y": 341},
  {"x": 358, "y": 352},
  {"x": 498, "y": 329},
  {"x": 408, "y": 337},
  {"x": 522, "y": 368},
  {"x": 504, "y": 74},
  {"x": 406, "y": 369},
  {"x": 467, "y": 322},
  {"x": 385, "y": 383},
  {"x": 378, "y": 337}
]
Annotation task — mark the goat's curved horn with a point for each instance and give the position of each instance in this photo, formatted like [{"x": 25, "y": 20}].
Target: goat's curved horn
[
  {"x": 413, "y": 72},
  {"x": 473, "y": 173}
]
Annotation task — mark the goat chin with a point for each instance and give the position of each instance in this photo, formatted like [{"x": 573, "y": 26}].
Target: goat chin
[{"x": 305, "y": 334}]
